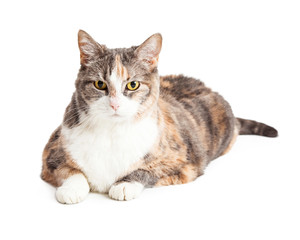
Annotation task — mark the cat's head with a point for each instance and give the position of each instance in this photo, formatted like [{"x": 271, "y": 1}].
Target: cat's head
[{"x": 117, "y": 84}]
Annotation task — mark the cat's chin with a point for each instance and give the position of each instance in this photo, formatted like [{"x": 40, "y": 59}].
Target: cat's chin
[
  {"x": 116, "y": 117},
  {"x": 110, "y": 117}
]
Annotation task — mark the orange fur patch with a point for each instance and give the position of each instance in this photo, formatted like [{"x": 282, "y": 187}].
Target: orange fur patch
[
  {"x": 236, "y": 133},
  {"x": 122, "y": 71}
]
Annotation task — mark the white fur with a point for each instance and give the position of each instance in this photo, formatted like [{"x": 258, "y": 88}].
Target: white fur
[
  {"x": 107, "y": 142},
  {"x": 125, "y": 190},
  {"x": 73, "y": 190},
  {"x": 116, "y": 82},
  {"x": 102, "y": 111},
  {"x": 105, "y": 148}
]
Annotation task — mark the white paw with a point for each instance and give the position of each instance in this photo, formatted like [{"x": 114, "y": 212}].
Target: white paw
[
  {"x": 73, "y": 190},
  {"x": 125, "y": 190}
]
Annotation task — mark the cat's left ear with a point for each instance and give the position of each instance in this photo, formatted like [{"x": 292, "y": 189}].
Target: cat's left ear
[
  {"x": 149, "y": 50},
  {"x": 89, "y": 48}
]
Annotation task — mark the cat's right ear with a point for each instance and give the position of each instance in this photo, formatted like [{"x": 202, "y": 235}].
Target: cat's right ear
[{"x": 89, "y": 48}]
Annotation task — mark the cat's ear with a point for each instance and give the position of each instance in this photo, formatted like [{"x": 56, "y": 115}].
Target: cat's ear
[
  {"x": 149, "y": 50},
  {"x": 89, "y": 48}
]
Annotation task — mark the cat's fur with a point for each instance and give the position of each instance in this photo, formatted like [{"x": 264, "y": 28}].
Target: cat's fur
[{"x": 119, "y": 141}]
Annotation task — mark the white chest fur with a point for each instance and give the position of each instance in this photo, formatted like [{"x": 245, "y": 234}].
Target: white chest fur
[{"x": 105, "y": 152}]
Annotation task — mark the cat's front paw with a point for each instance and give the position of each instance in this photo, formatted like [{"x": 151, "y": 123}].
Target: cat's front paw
[
  {"x": 74, "y": 190},
  {"x": 125, "y": 190}
]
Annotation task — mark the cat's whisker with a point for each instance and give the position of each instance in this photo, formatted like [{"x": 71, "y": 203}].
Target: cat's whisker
[
  {"x": 77, "y": 113},
  {"x": 72, "y": 117},
  {"x": 81, "y": 108}
]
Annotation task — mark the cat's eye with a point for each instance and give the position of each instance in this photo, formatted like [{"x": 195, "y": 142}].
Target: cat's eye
[
  {"x": 100, "y": 85},
  {"x": 134, "y": 85}
]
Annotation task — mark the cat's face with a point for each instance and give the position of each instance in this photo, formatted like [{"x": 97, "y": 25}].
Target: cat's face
[{"x": 117, "y": 84}]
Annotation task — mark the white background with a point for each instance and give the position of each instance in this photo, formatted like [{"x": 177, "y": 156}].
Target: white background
[{"x": 249, "y": 51}]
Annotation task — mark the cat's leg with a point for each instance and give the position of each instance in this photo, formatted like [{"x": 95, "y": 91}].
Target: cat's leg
[
  {"x": 74, "y": 189},
  {"x": 234, "y": 137},
  {"x": 132, "y": 185},
  {"x": 158, "y": 174},
  {"x": 125, "y": 190},
  {"x": 72, "y": 186},
  {"x": 62, "y": 172}
]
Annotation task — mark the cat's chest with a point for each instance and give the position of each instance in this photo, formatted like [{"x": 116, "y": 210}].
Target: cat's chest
[{"x": 107, "y": 152}]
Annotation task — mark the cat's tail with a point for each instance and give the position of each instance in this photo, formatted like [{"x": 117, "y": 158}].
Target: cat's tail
[{"x": 250, "y": 127}]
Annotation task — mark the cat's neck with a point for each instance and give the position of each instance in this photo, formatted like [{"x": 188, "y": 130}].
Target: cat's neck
[{"x": 99, "y": 123}]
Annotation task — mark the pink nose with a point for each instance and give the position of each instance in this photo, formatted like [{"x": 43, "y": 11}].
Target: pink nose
[{"x": 114, "y": 103}]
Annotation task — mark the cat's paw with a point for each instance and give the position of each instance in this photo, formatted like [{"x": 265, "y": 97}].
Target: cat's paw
[
  {"x": 74, "y": 190},
  {"x": 125, "y": 190}
]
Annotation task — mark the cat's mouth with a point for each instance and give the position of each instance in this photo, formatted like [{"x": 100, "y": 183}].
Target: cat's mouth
[{"x": 116, "y": 115}]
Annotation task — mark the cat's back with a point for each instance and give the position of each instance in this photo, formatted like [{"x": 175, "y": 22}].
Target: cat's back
[
  {"x": 182, "y": 88},
  {"x": 192, "y": 95},
  {"x": 206, "y": 114}
]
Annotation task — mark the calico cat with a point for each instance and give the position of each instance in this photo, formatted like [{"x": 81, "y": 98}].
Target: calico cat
[{"x": 126, "y": 128}]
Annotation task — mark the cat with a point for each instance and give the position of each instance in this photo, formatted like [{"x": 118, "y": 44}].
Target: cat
[{"x": 127, "y": 128}]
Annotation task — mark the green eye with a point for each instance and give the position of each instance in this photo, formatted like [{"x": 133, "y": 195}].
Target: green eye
[
  {"x": 134, "y": 85},
  {"x": 100, "y": 85}
]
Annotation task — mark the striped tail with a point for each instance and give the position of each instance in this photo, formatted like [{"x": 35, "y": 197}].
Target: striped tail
[{"x": 250, "y": 127}]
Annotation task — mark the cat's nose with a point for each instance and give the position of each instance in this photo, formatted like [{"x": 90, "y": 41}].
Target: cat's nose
[
  {"x": 114, "y": 103},
  {"x": 114, "y": 106}
]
